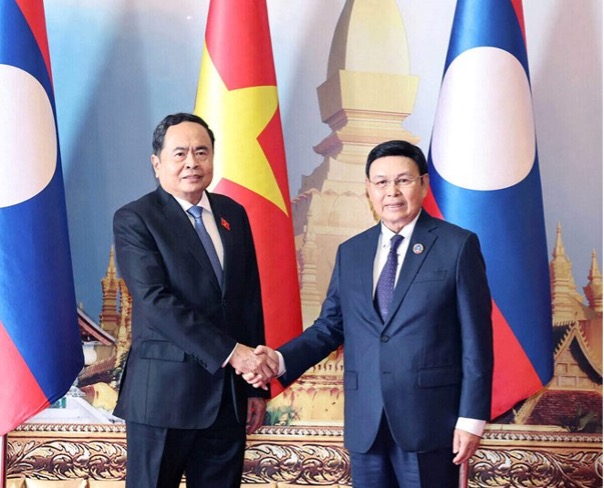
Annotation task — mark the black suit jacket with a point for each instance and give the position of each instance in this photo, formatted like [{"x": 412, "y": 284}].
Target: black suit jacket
[
  {"x": 183, "y": 325},
  {"x": 430, "y": 361}
]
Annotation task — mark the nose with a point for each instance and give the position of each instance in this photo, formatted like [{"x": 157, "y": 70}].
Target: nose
[
  {"x": 392, "y": 188},
  {"x": 190, "y": 160}
]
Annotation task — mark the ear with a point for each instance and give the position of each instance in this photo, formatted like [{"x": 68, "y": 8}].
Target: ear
[
  {"x": 426, "y": 183},
  {"x": 155, "y": 163}
]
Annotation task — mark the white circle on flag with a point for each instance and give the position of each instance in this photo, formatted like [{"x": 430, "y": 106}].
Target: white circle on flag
[
  {"x": 28, "y": 137},
  {"x": 484, "y": 132}
]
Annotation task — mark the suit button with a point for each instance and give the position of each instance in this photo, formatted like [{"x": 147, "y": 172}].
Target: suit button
[{"x": 384, "y": 338}]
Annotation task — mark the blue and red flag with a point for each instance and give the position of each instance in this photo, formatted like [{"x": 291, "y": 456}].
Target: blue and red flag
[
  {"x": 484, "y": 175},
  {"x": 40, "y": 348}
]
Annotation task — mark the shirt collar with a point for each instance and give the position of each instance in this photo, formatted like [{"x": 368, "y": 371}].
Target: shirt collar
[
  {"x": 203, "y": 203},
  {"x": 387, "y": 234}
]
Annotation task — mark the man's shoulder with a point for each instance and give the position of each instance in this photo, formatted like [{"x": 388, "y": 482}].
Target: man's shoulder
[
  {"x": 443, "y": 227},
  {"x": 140, "y": 204},
  {"x": 224, "y": 206},
  {"x": 363, "y": 239},
  {"x": 224, "y": 201},
  {"x": 452, "y": 228}
]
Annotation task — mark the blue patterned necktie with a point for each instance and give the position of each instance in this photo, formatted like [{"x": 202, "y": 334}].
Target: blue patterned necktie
[
  {"x": 206, "y": 240},
  {"x": 385, "y": 284}
]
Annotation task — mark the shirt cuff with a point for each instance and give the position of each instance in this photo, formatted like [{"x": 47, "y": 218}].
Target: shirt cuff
[
  {"x": 226, "y": 361},
  {"x": 473, "y": 426},
  {"x": 282, "y": 369}
]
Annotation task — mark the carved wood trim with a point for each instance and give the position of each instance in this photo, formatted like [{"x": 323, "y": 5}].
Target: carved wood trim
[{"x": 313, "y": 455}]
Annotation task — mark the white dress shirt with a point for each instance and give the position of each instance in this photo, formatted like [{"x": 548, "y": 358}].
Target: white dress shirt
[
  {"x": 208, "y": 221},
  {"x": 381, "y": 256}
]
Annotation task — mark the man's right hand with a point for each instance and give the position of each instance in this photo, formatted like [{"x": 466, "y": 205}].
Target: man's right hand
[
  {"x": 257, "y": 380},
  {"x": 262, "y": 367}
]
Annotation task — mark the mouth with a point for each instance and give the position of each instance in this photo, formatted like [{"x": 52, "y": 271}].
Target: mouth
[
  {"x": 192, "y": 178},
  {"x": 394, "y": 206}
]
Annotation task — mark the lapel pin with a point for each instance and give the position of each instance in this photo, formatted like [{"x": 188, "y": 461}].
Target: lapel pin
[
  {"x": 418, "y": 248},
  {"x": 225, "y": 224}
]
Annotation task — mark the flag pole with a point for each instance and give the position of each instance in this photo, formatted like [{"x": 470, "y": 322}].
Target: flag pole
[{"x": 3, "y": 443}]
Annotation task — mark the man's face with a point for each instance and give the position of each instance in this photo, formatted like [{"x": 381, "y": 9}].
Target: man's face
[
  {"x": 396, "y": 205},
  {"x": 184, "y": 166}
]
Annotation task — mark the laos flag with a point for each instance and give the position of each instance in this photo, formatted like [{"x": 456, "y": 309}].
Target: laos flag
[
  {"x": 484, "y": 176},
  {"x": 40, "y": 348}
]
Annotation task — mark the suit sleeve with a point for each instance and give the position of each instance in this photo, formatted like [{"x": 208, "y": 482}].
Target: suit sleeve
[
  {"x": 254, "y": 326},
  {"x": 320, "y": 339},
  {"x": 474, "y": 309},
  {"x": 143, "y": 268}
]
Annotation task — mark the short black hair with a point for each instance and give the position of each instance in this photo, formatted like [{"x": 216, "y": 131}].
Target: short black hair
[
  {"x": 159, "y": 133},
  {"x": 398, "y": 148}
]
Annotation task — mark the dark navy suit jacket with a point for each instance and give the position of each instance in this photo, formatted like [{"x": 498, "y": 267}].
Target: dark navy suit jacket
[
  {"x": 183, "y": 325},
  {"x": 430, "y": 361}
]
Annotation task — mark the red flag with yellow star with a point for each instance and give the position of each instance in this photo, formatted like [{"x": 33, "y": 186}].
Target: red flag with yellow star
[{"x": 237, "y": 97}]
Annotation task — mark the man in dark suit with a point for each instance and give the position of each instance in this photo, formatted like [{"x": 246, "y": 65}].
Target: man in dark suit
[
  {"x": 418, "y": 364},
  {"x": 195, "y": 306}
]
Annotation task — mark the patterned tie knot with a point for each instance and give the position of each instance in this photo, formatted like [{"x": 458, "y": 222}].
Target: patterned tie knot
[{"x": 395, "y": 241}]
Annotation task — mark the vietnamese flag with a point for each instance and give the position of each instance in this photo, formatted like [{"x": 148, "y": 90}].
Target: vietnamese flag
[
  {"x": 237, "y": 97},
  {"x": 484, "y": 176}
]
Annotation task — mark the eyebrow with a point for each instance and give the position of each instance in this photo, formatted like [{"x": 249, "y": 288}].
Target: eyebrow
[
  {"x": 404, "y": 173},
  {"x": 182, "y": 148}
]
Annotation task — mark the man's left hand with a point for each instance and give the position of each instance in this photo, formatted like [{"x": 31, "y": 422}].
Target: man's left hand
[
  {"x": 464, "y": 445},
  {"x": 256, "y": 408}
]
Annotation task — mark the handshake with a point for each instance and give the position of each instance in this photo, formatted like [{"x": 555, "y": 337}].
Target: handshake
[{"x": 257, "y": 366}]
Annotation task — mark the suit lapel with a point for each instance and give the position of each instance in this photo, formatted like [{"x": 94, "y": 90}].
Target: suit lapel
[
  {"x": 224, "y": 231},
  {"x": 423, "y": 238},
  {"x": 364, "y": 258},
  {"x": 365, "y": 261}
]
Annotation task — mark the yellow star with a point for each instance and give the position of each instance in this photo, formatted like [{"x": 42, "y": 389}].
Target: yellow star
[{"x": 237, "y": 118}]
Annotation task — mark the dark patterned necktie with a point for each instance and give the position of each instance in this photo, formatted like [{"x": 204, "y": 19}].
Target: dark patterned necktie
[
  {"x": 385, "y": 284},
  {"x": 206, "y": 240}
]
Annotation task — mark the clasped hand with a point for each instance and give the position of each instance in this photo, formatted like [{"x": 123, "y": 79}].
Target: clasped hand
[{"x": 257, "y": 366}]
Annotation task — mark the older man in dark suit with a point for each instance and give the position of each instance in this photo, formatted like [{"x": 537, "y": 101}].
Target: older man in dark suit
[
  {"x": 188, "y": 260},
  {"x": 409, "y": 300}
]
